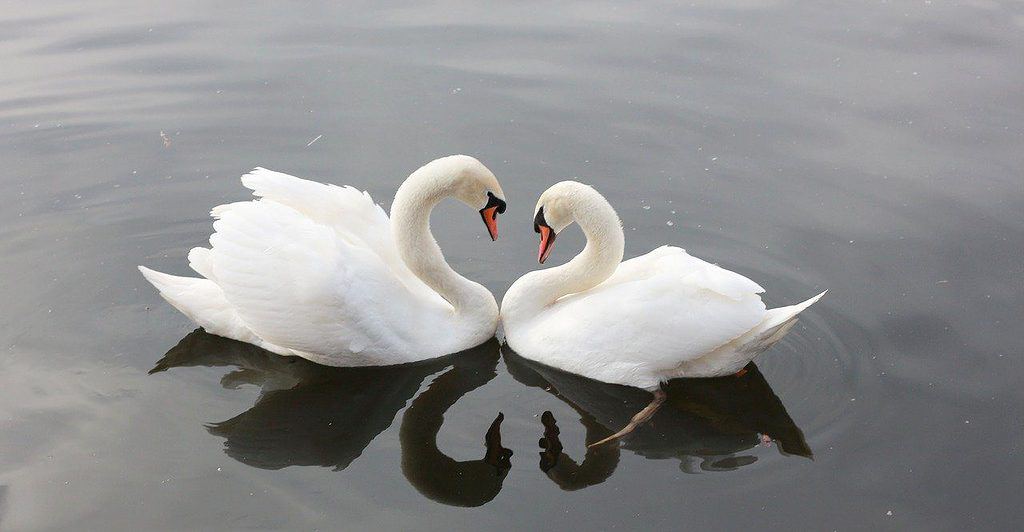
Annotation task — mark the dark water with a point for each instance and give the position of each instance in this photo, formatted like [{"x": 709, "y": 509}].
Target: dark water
[{"x": 874, "y": 149}]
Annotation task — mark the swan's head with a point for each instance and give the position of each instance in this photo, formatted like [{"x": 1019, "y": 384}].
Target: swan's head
[
  {"x": 567, "y": 202},
  {"x": 555, "y": 211},
  {"x": 475, "y": 185}
]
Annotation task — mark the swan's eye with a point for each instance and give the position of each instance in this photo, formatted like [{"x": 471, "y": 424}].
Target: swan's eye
[
  {"x": 494, "y": 201},
  {"x": 539, "y": 221}
]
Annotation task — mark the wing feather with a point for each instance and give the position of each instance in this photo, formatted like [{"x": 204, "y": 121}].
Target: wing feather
[
  {"x": 308, "y": 269},
  {"x": 350, "y": 213},
  {"x": 657, "y": 310},
  {"x": 320, "y": 295}
]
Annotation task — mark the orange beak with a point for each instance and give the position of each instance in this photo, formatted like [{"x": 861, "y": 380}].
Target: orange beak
[
  {"x": 547, "y": 243},
  {"x": 490, "y": 216}
]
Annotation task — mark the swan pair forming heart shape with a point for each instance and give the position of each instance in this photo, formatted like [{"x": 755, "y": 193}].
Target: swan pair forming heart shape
[{"x": 321, "y": 272}]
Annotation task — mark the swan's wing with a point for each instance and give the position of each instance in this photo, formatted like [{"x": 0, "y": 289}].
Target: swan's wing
[
  {"x": 659, "y": 310},
  {"x": 302, "y": 285},
  {"x": 690, "y": 270},
  {"x": 352, "y": 214}
]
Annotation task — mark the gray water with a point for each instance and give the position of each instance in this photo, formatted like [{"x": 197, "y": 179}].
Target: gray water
[{"x": 874, "y": 149}]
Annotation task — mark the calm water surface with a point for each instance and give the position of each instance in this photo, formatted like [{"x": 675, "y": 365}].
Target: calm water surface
[{"x": 874, "y": 149}]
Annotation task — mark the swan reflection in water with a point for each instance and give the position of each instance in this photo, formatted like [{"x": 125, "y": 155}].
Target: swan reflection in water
[
  {"x": 706, "y": 424},
  {"x": 313, "y": 415}
]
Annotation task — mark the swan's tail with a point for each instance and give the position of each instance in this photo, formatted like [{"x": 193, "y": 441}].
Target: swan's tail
[
  {"x": 733, "y": 356},
  {"x": 203, "y": 302},
  {"x": 775, "y": 325}
]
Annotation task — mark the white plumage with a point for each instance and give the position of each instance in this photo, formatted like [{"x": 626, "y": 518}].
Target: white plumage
[
  {"x": 314, "y": 270},
  {"x": 640, "y": 322}
]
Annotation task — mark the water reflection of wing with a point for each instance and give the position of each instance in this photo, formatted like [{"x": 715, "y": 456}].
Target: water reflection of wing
[
  {"x": 310, "y": 414},
  {"x": 741, "y": 406},
  {"x": 704, "y": 423}
]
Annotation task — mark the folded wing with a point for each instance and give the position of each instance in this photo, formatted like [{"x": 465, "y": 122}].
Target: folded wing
[{"x": 677, "y": 308}]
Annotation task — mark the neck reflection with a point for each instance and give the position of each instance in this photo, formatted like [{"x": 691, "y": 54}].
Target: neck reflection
[
  {"x": 436, "y": 475},
  {"x": 313, "y": 415},
  {"x": 706, "y": 424}
]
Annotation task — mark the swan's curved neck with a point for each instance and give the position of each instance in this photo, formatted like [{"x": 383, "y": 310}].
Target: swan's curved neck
[
  {"x": 597, "y": 261},
  {"x": 410, "y": 227}
]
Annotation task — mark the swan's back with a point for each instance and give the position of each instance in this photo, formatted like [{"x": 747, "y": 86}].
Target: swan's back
[{"x": 690, "y": 270}]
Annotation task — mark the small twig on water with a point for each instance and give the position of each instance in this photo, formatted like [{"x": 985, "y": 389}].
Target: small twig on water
[{"x": 318, "y": 137}]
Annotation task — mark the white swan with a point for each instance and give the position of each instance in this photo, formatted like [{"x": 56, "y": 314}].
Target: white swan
[
  {"x": 319, "y": 271},
  {"x": 640, "y": 322}
]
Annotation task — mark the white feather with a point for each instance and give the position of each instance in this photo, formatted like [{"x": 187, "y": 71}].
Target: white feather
[
  {"x": 313, "y": 270},
  {"x": 640, "y": 322}
]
